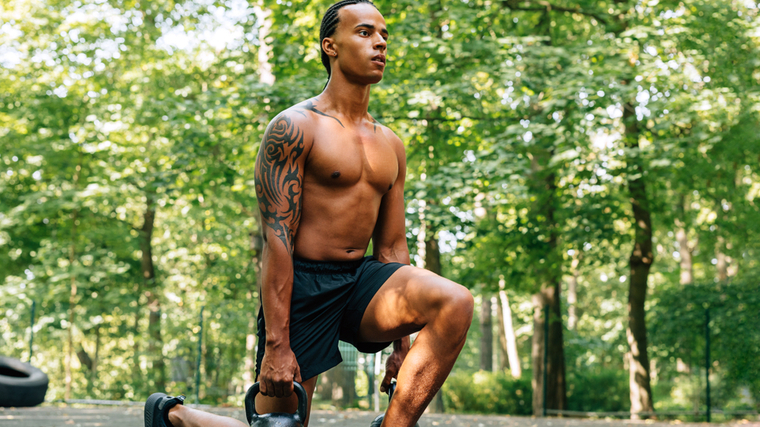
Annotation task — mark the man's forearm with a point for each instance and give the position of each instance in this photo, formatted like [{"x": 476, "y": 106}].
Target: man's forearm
[{"x": 276, "y": 292}]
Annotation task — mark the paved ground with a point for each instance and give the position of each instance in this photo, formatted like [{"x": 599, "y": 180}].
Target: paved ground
[{"x": 51, "y": 416}]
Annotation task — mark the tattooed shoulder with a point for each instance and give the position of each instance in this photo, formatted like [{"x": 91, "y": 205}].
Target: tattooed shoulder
[
  {"x": 309, "y": 106},
  {"x": 279, "y": 177}
]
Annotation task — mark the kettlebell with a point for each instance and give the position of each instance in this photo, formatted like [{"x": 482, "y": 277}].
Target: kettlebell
[
  {"x": 275, "y": 419},
  {"x": 379, "y": 420}
]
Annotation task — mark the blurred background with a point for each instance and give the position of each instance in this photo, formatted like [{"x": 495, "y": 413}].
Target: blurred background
[{"x": 589, "y": 169}]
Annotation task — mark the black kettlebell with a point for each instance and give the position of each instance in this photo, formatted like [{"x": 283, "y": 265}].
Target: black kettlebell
[
  {"x": 275, "y": 419},
  {"x": 379, "y": 420}
]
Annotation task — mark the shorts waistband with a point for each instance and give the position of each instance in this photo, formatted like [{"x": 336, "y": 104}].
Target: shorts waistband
[{"x": 326, "y": 267}]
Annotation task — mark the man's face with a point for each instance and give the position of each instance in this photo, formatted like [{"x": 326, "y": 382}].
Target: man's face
[{"x": 360, "y": 40}]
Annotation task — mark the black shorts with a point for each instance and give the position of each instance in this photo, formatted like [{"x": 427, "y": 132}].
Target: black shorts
[{"x": 327, "y": 305}]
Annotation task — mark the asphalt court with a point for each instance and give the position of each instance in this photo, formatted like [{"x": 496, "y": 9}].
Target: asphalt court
[{"x": 132, "y": 416}]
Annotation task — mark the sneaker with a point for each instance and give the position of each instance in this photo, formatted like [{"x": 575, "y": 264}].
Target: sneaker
[{"x": 157, "y": 409}]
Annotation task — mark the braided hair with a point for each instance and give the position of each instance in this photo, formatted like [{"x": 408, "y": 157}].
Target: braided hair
[{"x": 329, "y": 23}]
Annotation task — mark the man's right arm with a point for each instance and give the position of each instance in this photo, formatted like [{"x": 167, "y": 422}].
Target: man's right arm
[{"x": 279, "y": 184}]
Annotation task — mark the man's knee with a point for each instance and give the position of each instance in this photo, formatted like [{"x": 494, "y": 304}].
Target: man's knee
[
  {"x": 463, "y": 304},
  {"x": 455, "y": 303}
]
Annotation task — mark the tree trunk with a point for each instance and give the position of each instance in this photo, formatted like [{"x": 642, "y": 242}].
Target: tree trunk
[
  {"x": 433, "y": 263},
  {"x": 136, "y": 369},
  {"x": 73, "y": 290},
  {"x": 263, "y": 15},
  {"x": 155, "y": 341},
  {"x": 432, "y": 253},
  {"x": 96, "y": 360},
  {"x": 537, "y": 353},
  {"x": 91, "y": 363},
  {"x": 502, "y": 333},
  {"x": 549, "y": 278},
  {"x": 72, "y": 301},
  {"x": 556, "y": 396},
  {"x": 509, "y": 339},
  {"x": 640, "y": 261},
  {"x": 685, "y": 248},
  {"x": 486, "y": 334},
  {"x": 722, "y": 264},
  {"x": 572, "y": 295}
]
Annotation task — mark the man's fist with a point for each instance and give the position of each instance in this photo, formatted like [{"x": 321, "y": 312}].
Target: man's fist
[
  {"x": 279, "y": 368},
  {"x": 392, "y": 366}
]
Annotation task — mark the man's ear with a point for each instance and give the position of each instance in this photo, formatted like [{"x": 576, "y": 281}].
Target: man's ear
[{"x": 328, "y": 45}]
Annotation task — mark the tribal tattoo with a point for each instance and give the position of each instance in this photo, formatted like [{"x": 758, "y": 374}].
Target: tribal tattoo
[
  {"x": 313, "y": 108},
  {"x": 279, "y": 180}
]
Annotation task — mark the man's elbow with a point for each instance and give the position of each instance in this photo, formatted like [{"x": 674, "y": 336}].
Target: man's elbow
[
  {"x": 276, "y": 245},
  {"x": 397, "y": 253}
]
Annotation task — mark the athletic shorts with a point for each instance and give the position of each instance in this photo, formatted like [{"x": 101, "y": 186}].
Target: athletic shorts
[{"x": 328, "y": 303}]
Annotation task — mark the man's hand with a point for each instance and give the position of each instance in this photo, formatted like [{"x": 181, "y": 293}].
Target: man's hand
[
  {"x": 393, "y": 363},
  {"x": 279, "y": 368}
]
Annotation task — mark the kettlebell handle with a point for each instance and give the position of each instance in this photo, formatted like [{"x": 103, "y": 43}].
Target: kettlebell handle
[{"x": 250, "y": 402}]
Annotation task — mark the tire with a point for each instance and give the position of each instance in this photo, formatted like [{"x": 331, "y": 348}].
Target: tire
[{"x": 21, "y": 384}]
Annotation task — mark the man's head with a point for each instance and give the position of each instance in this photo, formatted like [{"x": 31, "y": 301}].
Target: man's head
[{"x": 355, "y": 26}]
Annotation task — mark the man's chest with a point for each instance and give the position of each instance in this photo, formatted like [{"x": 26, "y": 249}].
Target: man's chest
[{"x": 344, "y": 159}]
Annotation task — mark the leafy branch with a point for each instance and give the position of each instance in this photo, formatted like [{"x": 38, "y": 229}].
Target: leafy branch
[{"x": 546, "y": 6}]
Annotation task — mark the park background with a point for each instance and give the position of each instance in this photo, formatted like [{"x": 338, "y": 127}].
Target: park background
[{"x": 589, "y": 169}]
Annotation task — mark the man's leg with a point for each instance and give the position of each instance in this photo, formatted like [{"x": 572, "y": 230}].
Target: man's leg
[
  {"x": 414, "y": 300},
  {"x": 182, "y": 416}
]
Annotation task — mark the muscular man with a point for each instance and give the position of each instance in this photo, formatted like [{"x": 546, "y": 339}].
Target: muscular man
[{"x": 328, "y": 179}]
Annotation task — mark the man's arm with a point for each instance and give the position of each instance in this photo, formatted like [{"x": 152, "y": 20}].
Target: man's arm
[
  {"x": 389, "y": 245},
  {"x": 279, "y": 179},
  {"x": 389, "y": 236}
]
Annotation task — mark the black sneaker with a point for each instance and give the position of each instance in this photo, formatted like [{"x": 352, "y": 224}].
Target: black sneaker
[{"x": 157, "y": 409}]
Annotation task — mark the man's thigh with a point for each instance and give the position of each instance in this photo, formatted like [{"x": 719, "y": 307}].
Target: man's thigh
[{"x": 406, "y": 302}]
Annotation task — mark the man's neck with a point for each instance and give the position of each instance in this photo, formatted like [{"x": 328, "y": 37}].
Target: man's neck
[{"x": 345, "y": 98}]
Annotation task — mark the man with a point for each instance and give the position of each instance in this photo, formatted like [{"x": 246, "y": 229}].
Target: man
[{"x": 328, "y": 179}]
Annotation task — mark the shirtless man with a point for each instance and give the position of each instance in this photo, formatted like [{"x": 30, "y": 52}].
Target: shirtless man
[{"x": 328, "y": 179}]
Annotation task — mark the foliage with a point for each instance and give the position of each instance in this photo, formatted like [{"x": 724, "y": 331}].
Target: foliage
[
  {"x": 488, "y": 393},
  {"x": 598, "y": 389},
  {"x": 508, "y": 109},
  {"x": 679, "y": 332}
]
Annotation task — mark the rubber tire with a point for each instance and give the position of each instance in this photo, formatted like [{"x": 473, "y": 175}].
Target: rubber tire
[{"x": 27, "y": 389}]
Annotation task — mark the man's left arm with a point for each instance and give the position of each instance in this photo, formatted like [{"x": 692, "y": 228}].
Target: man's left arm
[
  {"x": 389, "y": 236},
  {"x": 389, "y": 245}
]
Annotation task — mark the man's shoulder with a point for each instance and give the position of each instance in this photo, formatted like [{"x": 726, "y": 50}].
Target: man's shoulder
[
  {"x": 308, "y": 113},
  {"x": 295, "y": 115},
  {"x": 391, "y": 136}
]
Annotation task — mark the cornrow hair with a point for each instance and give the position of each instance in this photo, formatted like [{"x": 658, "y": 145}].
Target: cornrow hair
[{"x": 330, "y": 22}]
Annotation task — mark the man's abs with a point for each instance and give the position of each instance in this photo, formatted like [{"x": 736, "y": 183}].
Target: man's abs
[{"x": 336, "y": 227}]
